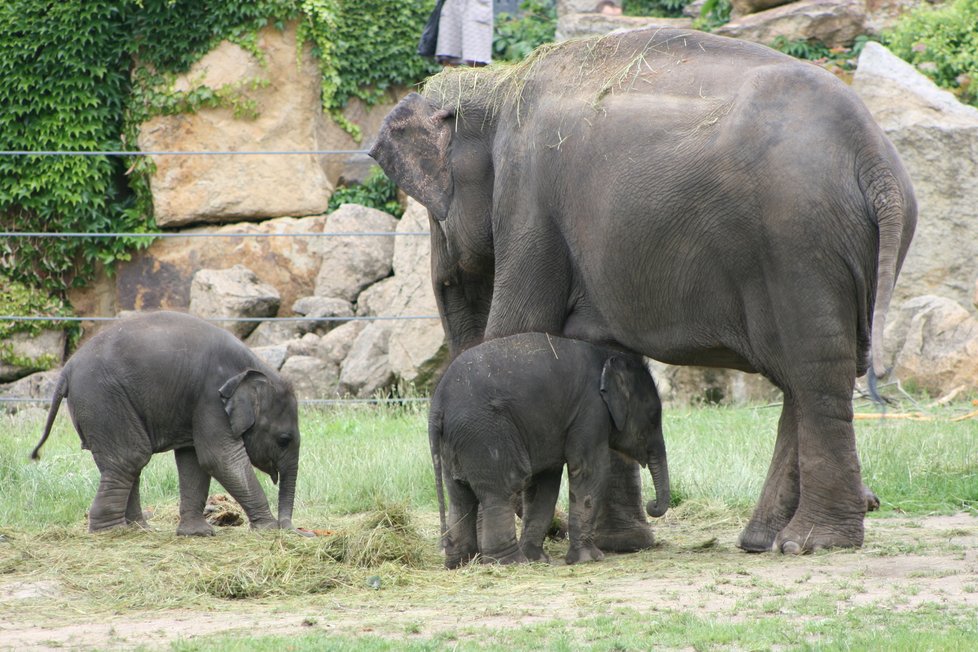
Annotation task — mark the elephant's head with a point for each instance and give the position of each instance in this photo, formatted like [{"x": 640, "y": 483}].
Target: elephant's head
[
  {"x": 262, "y": 410},
  {"x": 636, "y": 413},
  {"x": 443, "y": 158}
]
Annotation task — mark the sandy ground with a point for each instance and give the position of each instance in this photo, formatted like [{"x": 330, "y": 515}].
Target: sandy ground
[{"x": 905, "y": 562}]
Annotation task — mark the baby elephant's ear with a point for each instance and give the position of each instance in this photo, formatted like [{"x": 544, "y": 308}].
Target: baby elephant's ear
[
  {"x": 240, "y": 397},
  {"x": 615, "y": 390}
]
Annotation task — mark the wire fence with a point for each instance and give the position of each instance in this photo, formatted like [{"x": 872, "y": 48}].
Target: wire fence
[{"x": 242, "y": 234}]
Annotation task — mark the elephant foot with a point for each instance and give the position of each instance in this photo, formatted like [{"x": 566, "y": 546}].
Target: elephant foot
[
  {"x": 581, "y": 554},
  {"x": 535, "y": 553},
  {"x": 516, "y": 557},
  {"x": 454, "y": 561},
  {"x": 802, "y": 537},
  {"x": 757, "y": 538},
  {"x": 194, "y": 528},
  {"x": 629, "y": 539}
]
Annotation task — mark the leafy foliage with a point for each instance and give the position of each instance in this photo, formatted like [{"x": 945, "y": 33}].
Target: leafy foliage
[
  {"x": 943, "y": 43},
  {"x": 81, "y": 76},
  {"x": 376, "y": 191},
  {"x": 662, "y": 8},
  {"x": 714, "y": 13},
  {"x": 516, "y": 36}
]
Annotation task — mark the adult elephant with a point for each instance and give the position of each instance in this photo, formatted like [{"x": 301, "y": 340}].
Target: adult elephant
[{"x": 697, "y": 199}]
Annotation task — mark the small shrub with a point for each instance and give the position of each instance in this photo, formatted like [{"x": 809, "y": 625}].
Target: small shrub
[
  {"x": 376, "y": 191},
  {"x": 517, "y": 36},
  {"x": 942, "y": 43},
  {"x": 661, "y": 8}
]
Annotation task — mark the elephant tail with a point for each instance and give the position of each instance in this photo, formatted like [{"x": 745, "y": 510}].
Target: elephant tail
[
  {"x": 890, "y": 196},
  {"x": 60, "y": 391},
  {"x": 434, "y": 443}
]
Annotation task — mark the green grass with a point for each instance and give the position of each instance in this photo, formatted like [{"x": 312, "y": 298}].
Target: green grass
[{"x": 376, "y": 582}]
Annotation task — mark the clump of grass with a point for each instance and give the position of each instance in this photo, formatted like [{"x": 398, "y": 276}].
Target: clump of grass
[{"x": 386, "y": 534}]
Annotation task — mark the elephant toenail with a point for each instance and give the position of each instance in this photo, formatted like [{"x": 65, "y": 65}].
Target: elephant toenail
[{"x": 791, "y": 548}]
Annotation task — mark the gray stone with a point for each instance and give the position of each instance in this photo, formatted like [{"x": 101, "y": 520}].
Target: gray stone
[
  {"x": 417, "y": 347},
  {"x": 707, "y": 386},
  {"x": 273, "y": 355},
  {"x": 832, "y": 22},
  {"x": 22, "y": 354},
  {"x": 237, "y": 293},
  {"x": 335, "y": 345},
  {"x": 937, "y": 139},
  {"x": 744, "y": 7},
  {"x": 366, "y": 369},
  {"x": 351, "y": 263},
  {"x": 273, "y": 333},
  {"x": 312, "y": 378},
  {"x": 376, "y": 300},
  {"x": 933, "y": 345},
  {"x": 329, "y": 310}
]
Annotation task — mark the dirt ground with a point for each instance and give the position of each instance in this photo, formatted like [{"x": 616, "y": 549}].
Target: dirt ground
[{"x": 905, "y": 562}]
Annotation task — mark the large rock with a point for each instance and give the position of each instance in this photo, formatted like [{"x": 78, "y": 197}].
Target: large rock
[
  {"x": 159, "y": 277},
  {"x": 352, "y": 262},
  {"x": 589, "y": 24},
  {"x": 22, "y": 354},
  {"x": 366, "y": 369},
  {"x": 417, "y": 347},
  {"x": 285, "y": 89},
  {"x": 832, "y": 22},
  {"x": 324, "y": 313},
  {"x": 932, "y": 343},
  {"x": 311, "y": 377},
  {"x": 710, "y": 386},
  {"x": 937, "y": 138},
  {"x": 237, "y": 293},
  {"x": 744, "y": 7}
]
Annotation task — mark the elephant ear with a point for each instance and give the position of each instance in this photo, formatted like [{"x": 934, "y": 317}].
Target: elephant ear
[
  {"x": 240, "y": 397},
  {"x": 412, "y": 148},
  {"x": 615, "y": 390}
]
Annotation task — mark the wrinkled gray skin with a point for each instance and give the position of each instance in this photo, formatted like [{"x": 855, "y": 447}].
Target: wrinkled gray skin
[
  {"x": 169, "y": 381},
  {"x": 505, "y": 418},
  {"x": 696, "y": 199}
]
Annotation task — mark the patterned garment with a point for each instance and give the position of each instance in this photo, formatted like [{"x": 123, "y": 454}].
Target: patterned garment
[{"x": 465, "y": 32}]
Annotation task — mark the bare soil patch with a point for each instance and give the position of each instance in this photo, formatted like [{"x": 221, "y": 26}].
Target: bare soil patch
[{"x": 905, "y": 563}]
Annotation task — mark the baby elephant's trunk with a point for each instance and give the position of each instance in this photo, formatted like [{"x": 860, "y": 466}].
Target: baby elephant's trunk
[
  {"x": 660, "y": 479},
  {"x": 286, "y": 494}
]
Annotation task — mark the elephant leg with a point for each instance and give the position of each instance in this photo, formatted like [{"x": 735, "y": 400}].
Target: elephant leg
[
  {"x": 231, "y": 466},
  {"x": 622, "y": 525},
  {"x": 461, "y": 540},
  {"x": 779, "y": 497},
  {"x": 110, "y": 507},
  {"x": 819, "y": 378},
  {"x": 497, "y": 542},
  {"x": 134, "y": 507},
  {"x": 539, "y": 503},
  {"x": 586, "y": 493},
  {"x": 194, "y": 485}
]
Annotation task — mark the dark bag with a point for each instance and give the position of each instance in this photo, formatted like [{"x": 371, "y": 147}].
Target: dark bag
[{"x": 429, "y": 35}]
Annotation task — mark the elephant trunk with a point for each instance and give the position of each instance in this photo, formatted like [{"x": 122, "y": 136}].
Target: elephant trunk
[
  {"x": 286, "y": 493},
  {"x": 659, "y": 468}
]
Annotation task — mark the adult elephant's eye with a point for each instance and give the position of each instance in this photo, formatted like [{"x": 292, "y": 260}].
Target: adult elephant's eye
[{"x": 284, "y": 440}]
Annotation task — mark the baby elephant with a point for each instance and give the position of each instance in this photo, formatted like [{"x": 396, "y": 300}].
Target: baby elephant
[
  {"x": 505, "y": 418},
  {"x": 169, "y": 381}
]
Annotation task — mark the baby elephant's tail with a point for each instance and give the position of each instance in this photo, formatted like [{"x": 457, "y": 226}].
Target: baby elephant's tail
[
  {"x": 434, "y": 442},
  {"x": 60, "y": 391}
]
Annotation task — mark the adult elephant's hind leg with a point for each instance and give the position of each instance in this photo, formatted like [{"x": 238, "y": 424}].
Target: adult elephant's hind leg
[
  {"x": 779, "y": 497},
  {"x": 820, "y": 379}
]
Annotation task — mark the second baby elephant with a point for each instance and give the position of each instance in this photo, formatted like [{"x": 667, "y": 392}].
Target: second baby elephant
[
  {"x": 169, "y": 381},
  {"x": 505, "y": 418}
]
